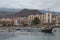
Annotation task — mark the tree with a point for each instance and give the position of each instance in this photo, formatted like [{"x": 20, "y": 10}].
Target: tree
[
  {"x": 35, "y": 21},
  {"x": 24, "y": 23}
]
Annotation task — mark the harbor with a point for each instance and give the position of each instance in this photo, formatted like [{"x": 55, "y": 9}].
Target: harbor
[
  {"x": 24, "y": 35},
  {"x": 27, "y": 29}
]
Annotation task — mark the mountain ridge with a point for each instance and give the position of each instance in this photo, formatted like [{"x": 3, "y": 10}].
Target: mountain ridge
[{"x": 23, "y": 12}]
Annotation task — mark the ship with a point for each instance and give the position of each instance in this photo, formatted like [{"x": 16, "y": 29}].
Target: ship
[{"x": 47, "y": 29}]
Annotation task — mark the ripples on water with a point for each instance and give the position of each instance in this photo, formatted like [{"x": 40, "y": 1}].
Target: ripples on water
[{"x": 19, "y": 35}]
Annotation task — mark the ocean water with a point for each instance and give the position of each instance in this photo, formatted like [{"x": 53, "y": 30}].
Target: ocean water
[{"x": 19, "y": 35}]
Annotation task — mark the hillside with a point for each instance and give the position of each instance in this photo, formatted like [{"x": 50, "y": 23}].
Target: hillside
[{"x": 26, "y": 12}]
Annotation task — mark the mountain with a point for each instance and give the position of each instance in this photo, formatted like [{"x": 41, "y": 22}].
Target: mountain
[
  {"x": 6, "y": 12},
  {"x": 26, "y": 12},
  {"x": 53, "y": 12},
  {"x": 9, "y": 10}
]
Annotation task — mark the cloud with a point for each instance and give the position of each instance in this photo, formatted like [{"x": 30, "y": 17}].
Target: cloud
[{"x": 31, "y": 4}]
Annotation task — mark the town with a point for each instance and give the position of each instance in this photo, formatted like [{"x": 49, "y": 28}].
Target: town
[
  {"x": 29, "y": 19},
  {"x": 26, "y": 21}
]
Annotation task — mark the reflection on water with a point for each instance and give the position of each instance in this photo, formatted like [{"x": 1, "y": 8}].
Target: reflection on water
[{"x": 18, "y": 35}]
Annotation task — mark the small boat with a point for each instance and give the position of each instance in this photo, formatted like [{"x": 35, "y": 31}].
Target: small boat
[
  {"x": 17, "y": 29},
  {"x": 47, "y": 30}
]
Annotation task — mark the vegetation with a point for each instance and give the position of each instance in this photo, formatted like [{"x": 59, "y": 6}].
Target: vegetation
[
  {"x": 24, "y": 24},
  {"x": 35, "y": 21}
]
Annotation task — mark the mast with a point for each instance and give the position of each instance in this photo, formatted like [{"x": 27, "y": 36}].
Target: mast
[{"x": 48, "y": 16}]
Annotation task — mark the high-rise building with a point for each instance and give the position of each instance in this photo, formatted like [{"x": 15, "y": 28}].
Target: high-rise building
[
  {"x": 48, "y": 18},
  {"x": 41, "y": 17},
  {"x": 31, "y": 17}
]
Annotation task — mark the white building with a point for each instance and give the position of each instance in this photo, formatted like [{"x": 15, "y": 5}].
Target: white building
[
  {"x": 48, "y": 18},
  {"x": 15, "y": 21}
]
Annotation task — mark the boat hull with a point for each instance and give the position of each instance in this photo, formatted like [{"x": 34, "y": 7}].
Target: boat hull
[{"x": 47, "y": 30}]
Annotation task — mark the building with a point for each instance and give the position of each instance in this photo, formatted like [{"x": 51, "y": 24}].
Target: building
[
  {"x": 48, "y": 18},
  {"x": 44, "y": 18},
  {"x": 31, "y": 17},
  {"x": 58, "y": 19},
  {"x": 6, "y": 21}
]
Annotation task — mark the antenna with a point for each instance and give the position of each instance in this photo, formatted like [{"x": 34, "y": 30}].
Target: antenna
[{"x": 48, "y": 10}]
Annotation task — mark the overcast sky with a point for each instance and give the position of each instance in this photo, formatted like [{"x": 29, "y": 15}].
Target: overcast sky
[{"x": 53, "y": 5}]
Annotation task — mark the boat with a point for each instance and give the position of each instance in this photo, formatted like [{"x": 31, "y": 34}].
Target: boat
[
  {"x": 18, "y": 29},
  {"x": 47, "y": 29}
]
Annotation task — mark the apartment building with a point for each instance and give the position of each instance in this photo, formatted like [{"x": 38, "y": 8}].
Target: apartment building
[
  {"x": 44, "y": 18},
  {"x": 58, "y": 19},
  {"x": 48, "y": 18}
]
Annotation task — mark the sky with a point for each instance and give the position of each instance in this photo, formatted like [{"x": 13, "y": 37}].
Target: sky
[{"x": 53, "y": 5}]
